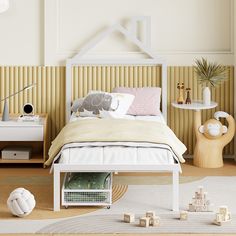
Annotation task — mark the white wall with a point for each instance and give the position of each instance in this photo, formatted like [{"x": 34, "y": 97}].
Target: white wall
[
  {"x": 21, "y": 33},
  {"x": 181, "y": 29}
]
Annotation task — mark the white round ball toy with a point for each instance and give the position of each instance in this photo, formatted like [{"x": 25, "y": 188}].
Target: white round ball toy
[{"x": 21, "y": 202}]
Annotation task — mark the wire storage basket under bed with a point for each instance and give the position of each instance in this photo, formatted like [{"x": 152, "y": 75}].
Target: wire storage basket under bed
[{"x": 101, "y": 196}]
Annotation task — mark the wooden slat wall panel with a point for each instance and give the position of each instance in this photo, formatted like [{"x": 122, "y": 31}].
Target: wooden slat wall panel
[{"x": 49, "y": 94}]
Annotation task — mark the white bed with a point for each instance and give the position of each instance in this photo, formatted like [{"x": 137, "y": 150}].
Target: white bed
[
  {"x": 118, "y": 153},
  {"x": 119, "y": 157}
]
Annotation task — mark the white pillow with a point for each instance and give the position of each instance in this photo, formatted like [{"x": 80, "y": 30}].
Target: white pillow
[{"x": 125, "y": 101}]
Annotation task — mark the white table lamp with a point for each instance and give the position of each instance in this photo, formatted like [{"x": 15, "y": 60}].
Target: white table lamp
[{"x": 5, "y": 115}]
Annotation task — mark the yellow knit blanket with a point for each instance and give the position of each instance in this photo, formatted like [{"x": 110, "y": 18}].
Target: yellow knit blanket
[{"x": 116, "y": 130}]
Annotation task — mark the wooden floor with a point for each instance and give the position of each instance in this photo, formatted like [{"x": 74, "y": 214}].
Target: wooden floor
[{"x": 229, "y": 169}]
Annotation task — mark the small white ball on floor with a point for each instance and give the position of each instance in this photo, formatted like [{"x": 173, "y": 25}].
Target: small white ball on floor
[{"x": 21, "y": 202}]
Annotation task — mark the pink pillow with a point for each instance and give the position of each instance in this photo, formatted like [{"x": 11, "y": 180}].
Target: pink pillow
[{"x": 146, "y": 102}]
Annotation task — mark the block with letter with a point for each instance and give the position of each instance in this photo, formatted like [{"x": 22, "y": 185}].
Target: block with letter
[
  {"x": 129, "y": 217},
  {"x": 144, "y": 222}
]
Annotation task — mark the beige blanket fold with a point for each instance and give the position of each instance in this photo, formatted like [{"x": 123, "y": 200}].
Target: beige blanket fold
[{"x": 116, "y": 130}]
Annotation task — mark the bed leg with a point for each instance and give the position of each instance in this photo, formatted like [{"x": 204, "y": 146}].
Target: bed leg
[
  {"x": 175, "y": 184},
  {"x": 56, "y": 189}
]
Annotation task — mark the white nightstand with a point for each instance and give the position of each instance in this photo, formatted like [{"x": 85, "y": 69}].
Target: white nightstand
[
  {"x": 32, "y": 134},
  {"x": 196, "y": 106}
]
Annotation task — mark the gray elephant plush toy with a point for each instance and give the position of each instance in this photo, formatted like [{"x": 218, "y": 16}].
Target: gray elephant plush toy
[{"x": 96, "y": 102}]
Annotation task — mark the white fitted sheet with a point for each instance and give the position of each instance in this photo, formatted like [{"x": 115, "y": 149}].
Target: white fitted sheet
[
  {"x": 159, "y": 118},
  {"x": 118, "y": 153}
]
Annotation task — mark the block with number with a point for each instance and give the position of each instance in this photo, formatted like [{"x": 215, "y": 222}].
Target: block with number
[
  {"x": 144, "y": 222},
  {"x": 183, "y": 215},
  {"x": 155, "y": 221},
  {"x": 150, "y": 214},
  {"x": 129, "y": 217}
]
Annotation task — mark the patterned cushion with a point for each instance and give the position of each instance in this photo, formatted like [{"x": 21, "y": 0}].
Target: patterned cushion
[
  {"x": 146, "y": 102},
  {"x": 94, "y": 103}
]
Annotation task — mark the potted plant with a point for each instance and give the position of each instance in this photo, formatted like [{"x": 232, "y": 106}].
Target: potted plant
[{"x": 209, "y": 75}]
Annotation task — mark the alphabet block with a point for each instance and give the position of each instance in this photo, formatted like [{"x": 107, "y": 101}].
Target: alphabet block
[
  {"x": 144, "y": 221},
  {"x": 223, "y": 210},
  {"x": 200, "y": 189},
  {"x": 183, "y": 215},
  {"x": 192, "y": 208},
  {"x": 129, "y": 217},
  {"x": 219, "y": 217},
  {"x": 150, "y": 214},
  {"x": 155, "y": 221}
]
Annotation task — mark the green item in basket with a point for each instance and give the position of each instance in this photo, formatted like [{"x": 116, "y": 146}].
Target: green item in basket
[{"x": 88, "y": 181}]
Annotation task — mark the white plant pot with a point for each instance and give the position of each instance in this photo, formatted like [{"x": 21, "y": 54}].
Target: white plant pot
[{"x": 206, "y": 94}]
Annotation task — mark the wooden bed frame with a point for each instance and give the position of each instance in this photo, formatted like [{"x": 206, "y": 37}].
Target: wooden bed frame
[{"x": 79, "y": 60}]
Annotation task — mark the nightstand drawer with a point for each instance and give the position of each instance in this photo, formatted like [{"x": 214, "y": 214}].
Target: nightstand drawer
[{"x": 26, "y": 133}]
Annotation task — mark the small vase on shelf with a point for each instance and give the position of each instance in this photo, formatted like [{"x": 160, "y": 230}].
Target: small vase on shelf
[{"x": 206, "y": 95}]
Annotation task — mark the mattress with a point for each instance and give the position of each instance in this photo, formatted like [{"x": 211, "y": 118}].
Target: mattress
[
  {"x": 118, "y": 153},
  {"x": 158, "y": 118}
]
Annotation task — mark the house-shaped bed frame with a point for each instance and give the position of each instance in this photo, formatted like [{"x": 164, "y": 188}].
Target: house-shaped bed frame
[{"x": 79, "y": 60}]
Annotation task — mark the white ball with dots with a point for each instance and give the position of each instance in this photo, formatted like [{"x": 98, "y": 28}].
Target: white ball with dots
[{"x": 21, "y": 202}]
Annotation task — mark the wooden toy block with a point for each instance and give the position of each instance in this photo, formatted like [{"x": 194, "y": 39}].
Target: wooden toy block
[
  {"x": 200, "y": 189},
  {"x": 191, "y": 208},
  {"x": 150, "y": 214},
  {"x": 200, "y": 202},
  {"x": 218, "y": 222},
  {"x": 183, "y": 215},
  {"x": 228, "y": 216},
  {"x": 223, "y": 210},
  {"x": 219, "y": 217},
  {"x": 155, "y": 221},
  {"x": 222, "y": 216},
  {"x": 144, "y": 221},
  {"x": 129, "y": 217},
  {"x": 198, "y": 208},
  {"x": 208, "y": 202}
]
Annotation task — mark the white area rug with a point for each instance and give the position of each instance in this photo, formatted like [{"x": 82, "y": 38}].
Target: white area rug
[{"x": 139, "y": 199}]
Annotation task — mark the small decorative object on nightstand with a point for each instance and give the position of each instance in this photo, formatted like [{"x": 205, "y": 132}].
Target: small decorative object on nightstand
[
  {"x": 196, "y": 106},
  {"x": 180, "y": 99},
  {"x": 32, "y": 135},
  {"x": 188, "y": 98},
  {"x": 209, "y": 74}
]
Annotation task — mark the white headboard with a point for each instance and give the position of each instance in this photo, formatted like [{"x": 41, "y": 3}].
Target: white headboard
[{"x": 80, "y": 60}]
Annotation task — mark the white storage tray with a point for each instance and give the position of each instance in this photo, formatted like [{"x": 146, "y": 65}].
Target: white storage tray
[{"x": 87, "y": 197}]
